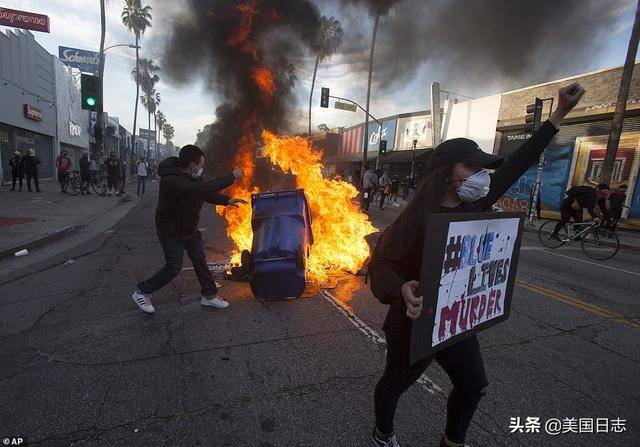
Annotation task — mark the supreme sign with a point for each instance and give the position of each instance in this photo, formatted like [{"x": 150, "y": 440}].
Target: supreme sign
[{"x": 32, "y": 113}]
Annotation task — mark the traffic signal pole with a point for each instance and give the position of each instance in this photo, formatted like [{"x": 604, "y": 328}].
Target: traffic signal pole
[{"x": 100, "y": 121}]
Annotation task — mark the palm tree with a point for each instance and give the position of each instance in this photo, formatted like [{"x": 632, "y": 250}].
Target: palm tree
[
  {"x": 136, "y": 18},
  {"x": 160, "y": 120},
  {"x": 146, "y": 76},
  {"x": 150, "y": 101},
  {"x": 329, "y": 43},
  {"x": 168, "y": 131}
]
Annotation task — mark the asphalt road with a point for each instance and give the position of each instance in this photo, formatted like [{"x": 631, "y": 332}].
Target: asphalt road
[{"x": 80, "y": 365}]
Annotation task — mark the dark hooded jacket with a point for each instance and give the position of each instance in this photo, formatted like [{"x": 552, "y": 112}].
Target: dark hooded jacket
[{"x": 181, "y": 198}]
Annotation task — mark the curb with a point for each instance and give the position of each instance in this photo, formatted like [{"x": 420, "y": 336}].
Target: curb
[
  {"x": 55, "y": 235},
  {"x": 627, "y": 247},
  {"x": 39, "y": 242}
]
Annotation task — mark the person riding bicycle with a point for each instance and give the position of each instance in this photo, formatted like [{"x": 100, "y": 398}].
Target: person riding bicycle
[
  {"x": 578, "y": 198},
  {"x": 385, "y": 184},
  {"x": 369, "y": 185}
]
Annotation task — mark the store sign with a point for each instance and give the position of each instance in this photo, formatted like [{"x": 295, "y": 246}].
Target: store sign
[
  {"x": 147, "y": 134},
  {"x": 84, "y": 60},
  {"x": 74, "y": 129},
  {"x": 24, "y": 20},
  {"x": 32, "y": 113}
]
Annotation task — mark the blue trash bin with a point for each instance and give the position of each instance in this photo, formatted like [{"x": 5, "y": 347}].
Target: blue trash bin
[{"x": 281, "y": 223}]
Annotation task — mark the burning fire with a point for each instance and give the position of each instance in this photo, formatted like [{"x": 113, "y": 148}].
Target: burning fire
[{"x": 338, "y": 226}]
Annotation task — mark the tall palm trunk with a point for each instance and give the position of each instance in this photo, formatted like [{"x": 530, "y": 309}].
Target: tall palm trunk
[
  {"x": 155, "y": 133},
  {"x": 135, "y": 113},
  {"x": 148, "y": 137},
  {"x": 313, "y": 84}
]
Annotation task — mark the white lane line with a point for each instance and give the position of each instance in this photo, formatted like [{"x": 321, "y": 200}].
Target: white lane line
[
  {"x": 375, "y": 337},
  {"x": 588, "y": 262}
]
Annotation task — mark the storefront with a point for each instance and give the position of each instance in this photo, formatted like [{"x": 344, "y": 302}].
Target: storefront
[
  {"x": 28, "y": 112},
  {"x": 73, "y": 122}
]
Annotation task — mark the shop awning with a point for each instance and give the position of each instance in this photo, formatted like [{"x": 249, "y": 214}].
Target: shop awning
[{"x": 404, "y": 156}]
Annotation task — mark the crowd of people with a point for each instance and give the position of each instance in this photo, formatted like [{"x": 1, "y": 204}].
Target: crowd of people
[{"x": 89, "y": 169}]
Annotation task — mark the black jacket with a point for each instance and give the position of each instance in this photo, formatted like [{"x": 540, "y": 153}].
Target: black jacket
[
  {"x": 181, "y": 198},
  {"x": 398, "y": 255},
  {"x": 16, "y": 165},
  {"x": 30, "y": 164},
  {"x": 84, "y": 164},
  {"x": 585, "y": 195}
]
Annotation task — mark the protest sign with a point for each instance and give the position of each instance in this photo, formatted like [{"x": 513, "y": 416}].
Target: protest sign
[{"x": 467, "y": 276}]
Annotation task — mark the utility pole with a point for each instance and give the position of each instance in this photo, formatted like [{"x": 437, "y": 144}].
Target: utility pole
[
  {"x": 366, "y": 123},
  {"x": 100, "y": 121},
  {"x": 436, "y": 117},
  {"x": 621, "y": 104}
]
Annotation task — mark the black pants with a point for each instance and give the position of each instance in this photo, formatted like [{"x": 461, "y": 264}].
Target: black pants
[
  {"x": 15, "y": 177},
  {"x": 463, "y": 364},
  {"x": 174, "y": 247},
  {"x": 34, "y": 176},
  {"x": 113, "y": 182},
  {"x": 63, "y": 179},
  {"x": 142, "y": 179},
  {"x": 566, "y": 214}
]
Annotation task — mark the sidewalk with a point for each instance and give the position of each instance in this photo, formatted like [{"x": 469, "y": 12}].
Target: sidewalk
[{"x": 29, "y": 220}]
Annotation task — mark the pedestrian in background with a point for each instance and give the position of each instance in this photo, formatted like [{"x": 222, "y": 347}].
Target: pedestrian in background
[
  {"x": 112, "y": 166},
  {"x": 16, "y": 170},
  {"x": 123, "y": 175},
  {"x": 63, "y": 163},
  {"x": 85, "y": 173},
  {"x": 30, "y": 163},
  {"x": 369, "y": 185},
  {"x": 142, "y": 171}
]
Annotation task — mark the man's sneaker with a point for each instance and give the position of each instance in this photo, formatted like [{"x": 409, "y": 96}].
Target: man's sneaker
[
  {"x": 214, "y": 301},
  {"x": 555, "y": 237},
  {"x": 380, "y": 441},
  {"x": 143, "y": 301}
]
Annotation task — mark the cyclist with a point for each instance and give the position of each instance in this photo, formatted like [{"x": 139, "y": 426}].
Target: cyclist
[
  {"x": 602, "y": 191},
  {"x": 385, "y": 183},
  {"x": 578, "y": 198}
]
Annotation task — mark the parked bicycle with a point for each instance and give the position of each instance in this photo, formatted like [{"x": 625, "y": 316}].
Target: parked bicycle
[
  {"x": 596, "y": 241},
  {"x": 97, "y": 182}
]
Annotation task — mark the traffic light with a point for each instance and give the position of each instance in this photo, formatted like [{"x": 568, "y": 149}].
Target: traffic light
[
  {"x": 90, "y": 89},
  {"x": 534, "y": 116},
  {"x": 383, "y": 147},
  {"x": 324, "y": 98}
]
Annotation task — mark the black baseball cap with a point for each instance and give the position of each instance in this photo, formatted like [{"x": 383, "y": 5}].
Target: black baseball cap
[{"x": 466, "y": 151}]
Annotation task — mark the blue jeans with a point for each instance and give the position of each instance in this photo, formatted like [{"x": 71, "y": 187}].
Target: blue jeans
[
  {"x": 174, "y": 247},
  {"x": 142, "y": 180}
]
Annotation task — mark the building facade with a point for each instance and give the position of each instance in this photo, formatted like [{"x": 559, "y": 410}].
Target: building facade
[{"x": 27, "y": 102}]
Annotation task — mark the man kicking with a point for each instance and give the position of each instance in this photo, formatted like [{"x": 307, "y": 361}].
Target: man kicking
[{"x": 182, "y": 194}]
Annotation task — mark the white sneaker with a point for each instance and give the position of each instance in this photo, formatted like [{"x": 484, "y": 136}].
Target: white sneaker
[
  {"x": 215, "y": 301},
  {"x": 143, "y": 301}
]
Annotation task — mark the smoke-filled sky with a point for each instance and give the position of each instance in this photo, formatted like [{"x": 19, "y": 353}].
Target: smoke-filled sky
[{"x": 473, "y": 48}]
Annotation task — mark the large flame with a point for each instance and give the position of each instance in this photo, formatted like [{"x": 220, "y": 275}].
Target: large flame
[{"x": 338, "y": 226}]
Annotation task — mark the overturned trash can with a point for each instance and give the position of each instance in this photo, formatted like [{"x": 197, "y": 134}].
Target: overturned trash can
[{"x": 276, "y": 265}]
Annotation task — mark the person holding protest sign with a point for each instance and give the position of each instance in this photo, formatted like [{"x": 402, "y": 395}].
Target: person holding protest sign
[{"x": 457, "y": 180}]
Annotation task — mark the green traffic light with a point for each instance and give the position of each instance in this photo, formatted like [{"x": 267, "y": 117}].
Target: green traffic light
[{"x": 91, "y": 101}]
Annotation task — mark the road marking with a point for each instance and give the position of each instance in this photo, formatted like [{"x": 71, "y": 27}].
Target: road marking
[
  {"x": 584, "y": 305},
  {"x": 375, "y": 337},
  {"x": 587, "y": 262}
]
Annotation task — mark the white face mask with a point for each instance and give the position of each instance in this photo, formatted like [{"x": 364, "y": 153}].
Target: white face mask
[
  {"x": 198, "y": 173},
  {"x": 475, "y": 187}
]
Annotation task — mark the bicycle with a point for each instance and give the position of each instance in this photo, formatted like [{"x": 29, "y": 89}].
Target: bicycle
[
  {"x": 379, "y": 200},
  {"x": 596, "y": 241},
  {"x": 73, "y": 185},
  {"x": 98, "y": 182}
]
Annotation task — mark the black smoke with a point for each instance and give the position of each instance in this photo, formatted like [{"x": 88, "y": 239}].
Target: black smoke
[
  {"x": 206, "y": 40},
  {"x": 516, "y": 43}
]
